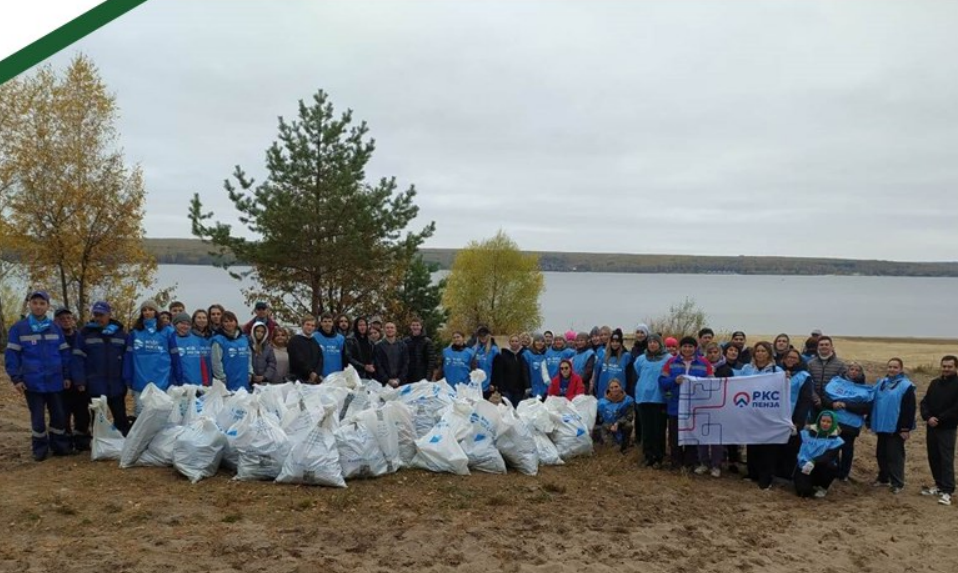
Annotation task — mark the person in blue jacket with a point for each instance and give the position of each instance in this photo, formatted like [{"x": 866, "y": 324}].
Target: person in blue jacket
[
  {"x": 230, "y": 355},
  {"x": 818, "y": 456},
  {"x": 555, "y": 354},
  {"x": 802, "y": 397},
  {"x": 686, "y": 363},
  {"x": 535, "y": 357},
  {"x": 457, "y": 362},
  {"x": 611, "y": 364},
  {"x": 583, "y": 361},
  {"x": 486, "y": 351},
  {"x": 850, "y": 397},
  {"x": 151, "y": 355},
  {"x": 98, "y": 361},
  {"x": 194, "y": 351},
  {"x": 616, "y": 412},
  {"x": 651, "y": 403},
  {"x": 892, "y": 419},
  {"x": 37, "y": 360},
  {"x": 333, "y": 345}
]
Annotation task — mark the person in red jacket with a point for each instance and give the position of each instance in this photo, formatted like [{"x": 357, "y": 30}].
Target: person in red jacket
[{"x": 566, "y": 383}]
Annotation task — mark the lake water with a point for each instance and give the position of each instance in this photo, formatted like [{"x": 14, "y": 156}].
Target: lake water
[{"x": 767, "y": 304}]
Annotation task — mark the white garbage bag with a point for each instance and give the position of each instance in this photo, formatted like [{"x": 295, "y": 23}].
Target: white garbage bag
[
  {"x": 440, "y": 450},
  {"x": 516, "y": 442},
  {"x": 160, "y": 451},
  {"x": 401, "y": 417},
  {"x": 386, "y": 435},
  {"x": 107, "y": 441},
  {"x": 234, "y": 409},
  {"x": 426, "y": 400},
  {"x": 199, "y": 449},
  {"x": 214, "y": 400},
  {"x": 539, "y": 421},
  {"x": 261, "y": 444},
  {"x": 480, "y": 444},
  {"x": 571, "y": 436},
  {"x": 359, "y": 452},
  {"x": 314, "y": 461},
  {"x": 587, "y": 407},
  {"x": 156, "y": 411},
  {"x": 299, "y": 421},
  {"x": 272, "y": 397},
  {"x": 185, "y": 405}
]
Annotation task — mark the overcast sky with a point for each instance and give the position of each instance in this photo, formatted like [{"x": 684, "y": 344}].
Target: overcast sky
[{"x": 825, "y": 129}]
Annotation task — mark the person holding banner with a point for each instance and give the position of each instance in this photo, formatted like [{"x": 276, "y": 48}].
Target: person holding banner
[
  {"x": 892, "y": 419},
  {"x": 710, "y": 457},
  {"x": 850, "y": 397},
  {"x": 686, "y": 363},
  {"x": 818, "y": 456},
  {"x": 761, "y": 458},
  {"x": 651, "y": 403}
]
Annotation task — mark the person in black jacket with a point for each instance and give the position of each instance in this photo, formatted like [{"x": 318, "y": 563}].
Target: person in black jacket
[
  {"x": 939, "y": 409},
  {"x": 359, "y": 349},
  {"x": 510, "y": 372},
  {"x": 391, "y": 358},
  {"x": 794, "y": 367},
  {"x": 305, "y": 355},
  {"x": 422, "y": 353}
]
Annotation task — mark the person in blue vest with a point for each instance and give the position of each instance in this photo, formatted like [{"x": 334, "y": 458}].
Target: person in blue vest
[
  {"x": 818, "y": 456},
  {"x": 37, "y": 360},
  {"x": 583, "y": 361},
  {"x": 616, "y": 413},
  {"x": 194, "y": 351},
  {"x": 98, "y": 361},
  {"x": 802, "y": 398},
  {"x": 230, "y": 354},
  {"x": 850, "y": 397},
  {"x": 457, "y": 361},
  {"x": 892, "y": 419},
  {"x": 686, "y": 363},
  {"x": 151, "y": 355},
  {"x": 333, "y": 345},
  {"x": 486, "y": 351},
  {"x": 555, "y": 354},
  {"x": 535, "y": 357},
  {"x": 611, "y": 364},
  {"x": 650, "y": 400}
]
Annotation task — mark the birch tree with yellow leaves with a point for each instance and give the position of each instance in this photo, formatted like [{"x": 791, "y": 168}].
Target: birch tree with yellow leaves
[{"x": 72, "y": 209}]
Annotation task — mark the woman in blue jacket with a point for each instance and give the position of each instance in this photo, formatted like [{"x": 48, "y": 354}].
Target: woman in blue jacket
[
  {"x": 651, "y": 403},
  {"x": 611, "y": 365},
  {"x": 485, "y": 352},
  {"x": 151, "y": 355},
  {"x": 850, "y": 397},
  {"x": 892, "y": 419},
  {"x": 457, "y": 361},
  {"x": 194, "y": 351},
  {"x": 818, "y": 456},
  {"x": 535, "y": 357},
  {"x": 231, "y": 355}
]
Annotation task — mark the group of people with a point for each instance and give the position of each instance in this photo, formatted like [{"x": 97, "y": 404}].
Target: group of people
[{"x": 58, "y": 366}]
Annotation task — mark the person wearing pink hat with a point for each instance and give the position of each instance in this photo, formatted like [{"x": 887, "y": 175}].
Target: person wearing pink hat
[{"x": 672, "y": 346}]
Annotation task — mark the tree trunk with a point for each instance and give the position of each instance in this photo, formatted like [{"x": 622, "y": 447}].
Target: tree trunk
[
  {"x": 63, "y": 285},
  {"x": 3, "y": 326}
]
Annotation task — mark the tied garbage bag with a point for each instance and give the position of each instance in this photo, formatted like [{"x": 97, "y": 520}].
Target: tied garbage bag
[
  {"x": 386, "y": 434},
  {"x": 516, "y": 442},
  {"x": 261, "y": 445},
  {"x": 400, "y": 416},
  {"x": 571, "y": 436},
  {"x": 157, "y": 407},
  {"x": 359, "y": 452},
  {"x": 537, "y": 419},
  {"x": 214, "y": 400},
  {"x": 198, "y": 450},
  {"x": 185, "y": 405},
  {"x": 107, "y": 440},
  {"x": 439, "y": 450},
  {"x": 588, "y": 408},
  {"x": 426, "y": 400},
  {"x": 314, "y": 460},
  {"x": 160, "y": 451},
  {"x": 480, "y": 444}
]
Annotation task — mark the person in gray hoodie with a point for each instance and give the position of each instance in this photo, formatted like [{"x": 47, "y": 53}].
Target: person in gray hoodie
[{"x": 264, "y": 358}]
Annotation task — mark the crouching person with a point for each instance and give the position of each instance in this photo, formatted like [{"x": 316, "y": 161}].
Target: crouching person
[
  {"x": 38, "y": 361},
  {"x": 818, "y": 456},
  {"x": 98, "y": 362},
  {"x": 616, "y": 415}
]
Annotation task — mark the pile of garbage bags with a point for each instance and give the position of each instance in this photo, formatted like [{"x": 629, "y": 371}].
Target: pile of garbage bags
[{"x": 345, "y": 428}]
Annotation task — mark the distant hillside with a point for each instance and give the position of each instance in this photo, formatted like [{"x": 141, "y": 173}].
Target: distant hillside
[{"x": 194, "y": 252}]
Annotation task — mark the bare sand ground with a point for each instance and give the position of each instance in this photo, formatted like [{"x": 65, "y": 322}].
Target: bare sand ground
[{"x": 602, "y": 513}]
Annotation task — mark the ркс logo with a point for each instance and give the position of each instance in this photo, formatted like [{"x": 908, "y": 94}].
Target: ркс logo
[{"x": 741, "y": 399}]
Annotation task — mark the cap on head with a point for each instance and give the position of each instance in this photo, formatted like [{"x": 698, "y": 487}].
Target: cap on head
[
  {"x": 39, "y": 294},
  {"x": 61, "y": 310},
  {"x": 261, "y": 306},
  {"x": 101, "y": 307},
  {"x": 817, "y": 332},
  {"x": 482, "y": 331}
]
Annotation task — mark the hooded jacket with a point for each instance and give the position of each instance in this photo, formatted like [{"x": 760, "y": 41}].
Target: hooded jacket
[
  {"x": 359, "y": 349},
  {"x": 264, "y": 357},
  {"x": 574, "y": 385}
]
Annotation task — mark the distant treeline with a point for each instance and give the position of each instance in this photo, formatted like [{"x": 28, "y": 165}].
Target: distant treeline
[{"x": 194, "y": 252}]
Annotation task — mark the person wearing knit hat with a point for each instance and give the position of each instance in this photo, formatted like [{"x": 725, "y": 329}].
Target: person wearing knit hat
[
  {"x": 611, "y": 365},
  {"x": 672, "y": 345},
  {"x": 555, "y": 354},
  {"x": 650, "y": 400},
  {"x": 150, "y": 303},
  {"x": 570, "y": 336},
  {"x": 152, "y": 356},
  {"x": 194, "y": 351}
]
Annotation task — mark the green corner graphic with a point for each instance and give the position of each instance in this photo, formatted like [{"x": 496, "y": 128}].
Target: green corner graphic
[{"x": 72, "y": 31}]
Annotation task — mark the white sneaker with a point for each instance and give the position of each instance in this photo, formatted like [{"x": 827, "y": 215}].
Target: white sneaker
[
  {"x": 820, "y": 492},
  {"x": 930, "y": 491},
  {"x": 945, "y": 499},
  {"x": 701, "y": 470},
  {"x": 716, "y": 473}
]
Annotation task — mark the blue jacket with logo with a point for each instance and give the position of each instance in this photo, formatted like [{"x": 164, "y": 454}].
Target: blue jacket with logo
[
  {"x": 535, "y": 360},
  {"x": 613, "y": 369},
  {"x": 555, "y": 357},
  {"x": 675, "y": 367},
  {"x": 98, "y": 359},
  {"x": 232, "y": 359},
  {"x": 151, "y": 357},
  {"x": 195, "y": 361},
  {"x": 457, "y": 364},
  {"x": 334, "y": 351},
  {"x": 484, "y": 360},
  {"x": 38, "y": 355}
]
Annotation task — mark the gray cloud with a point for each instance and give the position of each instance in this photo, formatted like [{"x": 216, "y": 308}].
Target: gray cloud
[{"x": 791, "y": 128}]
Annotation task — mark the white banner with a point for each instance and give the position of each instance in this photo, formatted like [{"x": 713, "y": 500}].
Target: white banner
[{"x": 740, "y": 410}]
